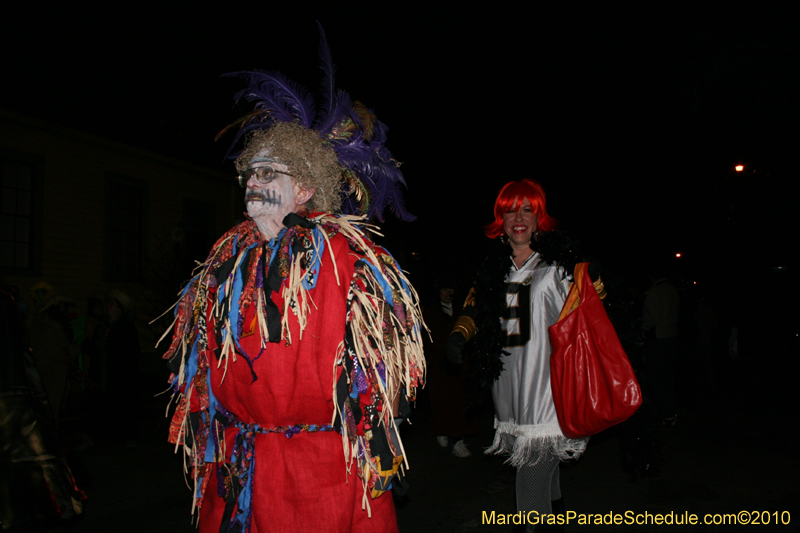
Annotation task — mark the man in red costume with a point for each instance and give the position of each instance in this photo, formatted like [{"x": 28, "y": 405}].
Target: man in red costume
[{"x": 298, "y": 344}]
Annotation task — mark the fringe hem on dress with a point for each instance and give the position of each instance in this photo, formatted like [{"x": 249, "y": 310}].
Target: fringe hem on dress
[{"x": 527, "y": 444}]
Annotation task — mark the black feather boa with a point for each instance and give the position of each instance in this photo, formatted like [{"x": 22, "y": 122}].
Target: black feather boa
[
  {"x": 557, "y": 247},
  {"x": 485, "y": 353}
]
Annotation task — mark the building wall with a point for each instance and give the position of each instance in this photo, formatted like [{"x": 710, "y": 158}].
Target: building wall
[{"x": 70, "y": 234}]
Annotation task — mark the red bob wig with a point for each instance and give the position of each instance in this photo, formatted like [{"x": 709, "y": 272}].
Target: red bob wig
[{"x": 509, "y": 199}]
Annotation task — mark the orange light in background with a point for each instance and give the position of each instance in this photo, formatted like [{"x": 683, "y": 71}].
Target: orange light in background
[
  {"x": 678, "y": 254},
  {"x": 739, "y": 168}
]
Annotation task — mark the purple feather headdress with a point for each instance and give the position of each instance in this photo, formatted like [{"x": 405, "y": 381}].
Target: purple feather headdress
[{"x": 372, "y": 177}]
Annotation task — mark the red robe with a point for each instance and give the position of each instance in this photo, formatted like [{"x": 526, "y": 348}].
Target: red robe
[{"x": 299, "y": 483}]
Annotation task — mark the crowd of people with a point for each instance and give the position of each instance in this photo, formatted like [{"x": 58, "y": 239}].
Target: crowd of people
[{"x": 55, "y": 379}]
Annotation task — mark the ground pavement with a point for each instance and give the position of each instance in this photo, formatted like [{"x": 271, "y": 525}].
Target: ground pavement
[{"x": 733, "y": 453}]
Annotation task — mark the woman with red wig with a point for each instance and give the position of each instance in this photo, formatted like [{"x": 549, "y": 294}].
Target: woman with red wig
[{"x": 518, "y": 293}]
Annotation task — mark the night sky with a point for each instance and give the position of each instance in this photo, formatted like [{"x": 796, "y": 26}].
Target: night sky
[{"x": 631, "y": 117}]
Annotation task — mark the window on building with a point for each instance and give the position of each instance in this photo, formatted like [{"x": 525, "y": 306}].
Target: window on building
[
  {"x": 20, "y": 215},
  {"x": 124, "y": 228}
]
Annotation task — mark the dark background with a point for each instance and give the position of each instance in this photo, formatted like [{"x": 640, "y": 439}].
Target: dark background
[{"x": 631, "y": 115}]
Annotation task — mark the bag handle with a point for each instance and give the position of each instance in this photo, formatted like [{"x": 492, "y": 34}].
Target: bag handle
[{"x": 575, "y": 291}]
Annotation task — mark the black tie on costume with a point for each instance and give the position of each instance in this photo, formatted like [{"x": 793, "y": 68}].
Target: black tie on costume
[
  {"x": 272, "y": 283},
  {"x": 293, "y": 219}
]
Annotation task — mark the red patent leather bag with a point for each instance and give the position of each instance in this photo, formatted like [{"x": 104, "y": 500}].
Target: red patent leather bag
[{"x": 594, "y": 386}]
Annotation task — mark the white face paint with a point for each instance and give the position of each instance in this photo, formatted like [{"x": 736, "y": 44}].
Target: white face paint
[{"x": 269, "y": 203}]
